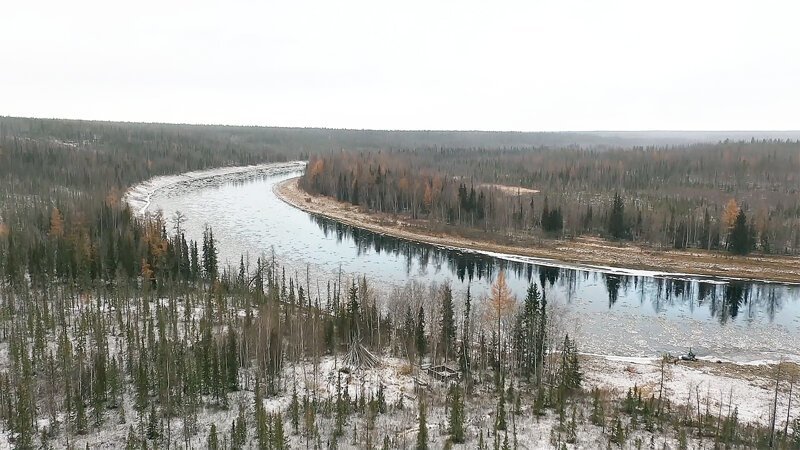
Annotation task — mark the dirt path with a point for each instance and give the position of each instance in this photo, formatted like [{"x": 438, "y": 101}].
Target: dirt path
[{"x": 593, "y": 252}]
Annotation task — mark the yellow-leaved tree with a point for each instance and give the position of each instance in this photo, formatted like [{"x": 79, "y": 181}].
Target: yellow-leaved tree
[
  {"x": 501, "y": 304},
  {"x": 427, "y": 198},
  {"x": 729, "y": 217},
  {"x": 730, "y": 213},
  {"x": 56, "y": 224}
]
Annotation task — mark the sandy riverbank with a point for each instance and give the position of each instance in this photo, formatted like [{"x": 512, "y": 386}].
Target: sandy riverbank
[{"x": 590, "y": 252}]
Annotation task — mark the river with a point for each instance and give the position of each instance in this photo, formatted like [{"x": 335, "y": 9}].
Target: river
[{"x": 608, "y": 311}]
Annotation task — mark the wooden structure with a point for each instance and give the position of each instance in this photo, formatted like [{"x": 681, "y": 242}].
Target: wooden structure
[
  {"x": 443, "y": 373},
  {"x": 358, "y": 357}
]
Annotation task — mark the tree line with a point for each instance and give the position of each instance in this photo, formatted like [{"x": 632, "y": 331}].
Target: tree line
[{"x": 688, "y": 196}]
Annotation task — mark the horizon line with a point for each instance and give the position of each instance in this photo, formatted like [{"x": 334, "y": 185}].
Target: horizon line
[{"x": 424, "y": 130}]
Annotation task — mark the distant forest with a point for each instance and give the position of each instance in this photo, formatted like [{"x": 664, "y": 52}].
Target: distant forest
[
  {"x": 740, "y": 196},
  {"x": 81, "y": 168}
]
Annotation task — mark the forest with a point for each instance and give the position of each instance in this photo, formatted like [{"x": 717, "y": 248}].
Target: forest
[
  {"x": 117, "y": 331},
  {"x": 730, "y": 196}
]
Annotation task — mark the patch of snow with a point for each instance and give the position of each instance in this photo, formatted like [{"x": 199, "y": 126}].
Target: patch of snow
[
  {"x": 5, "y": 441},
  {"x": 685, "y": 384}
]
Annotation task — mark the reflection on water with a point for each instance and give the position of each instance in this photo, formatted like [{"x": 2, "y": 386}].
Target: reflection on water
[
  {"x": 723, "y": 301},
  {"x": 609, "y": 312}
]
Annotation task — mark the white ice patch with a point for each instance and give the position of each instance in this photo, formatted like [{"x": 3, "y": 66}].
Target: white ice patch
[{"x": 140, "y": 195}]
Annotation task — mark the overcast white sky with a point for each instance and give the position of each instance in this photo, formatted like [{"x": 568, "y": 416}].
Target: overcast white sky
[{"x": 559, "y": 65}]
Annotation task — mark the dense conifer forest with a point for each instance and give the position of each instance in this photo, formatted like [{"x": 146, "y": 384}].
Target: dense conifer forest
[
  {"x": 735, "y": 196},
  {"x": 117, "y": 331}
]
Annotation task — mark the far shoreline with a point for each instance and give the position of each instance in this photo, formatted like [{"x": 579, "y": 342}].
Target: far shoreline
[{"x": 586, "y": 253}]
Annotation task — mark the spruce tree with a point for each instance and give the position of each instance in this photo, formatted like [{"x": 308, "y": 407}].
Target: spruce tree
[
  {"x": 209, "y": 254},
  {"x": 381, "y": 399},
  {"x": 310, "y": 417},
  {"x": 354, "y": 197},
  {"x": 572, "y": 428},
  {"x": 419, "y": 335},
  {"x": 616, "y": 218},
  {"x": 195, "y": 262},
  {"x": 239, "y": 438},
  {"x": 294, "y": 410},
  {"x": 241, "y": 278},
  {"x": 464, "y": 354},
  {"x": 262, "y": 430},
  {"x": 598, "y": 416},
  {"x": 279, "y": 439},
  {"x": 232, "y": 361},
  {"x": 25, "y": 415},
  {"x": 447, "y": 323},
  {"x": 233, "y": 435},
  {"x": 570, "y": 367},
  {"x": 80, "y": 414},
  {"x": 618, "y": 433},
  {"x": 353, "y": 311},
  {"x": 422, "y": 434},
  {"x": 551, "y": 220},
  {"x": 340, "y": 409},
  {"x": 530, "y": 335},
  {"x": 409, "y": 330},
  {"x": 213, "y": 440},
  {"x": 739, "y": 240},
  {"x": 131, "y": 442},
  {"x": 152, "y": 423},
  {"x": 541, "y": 338},
  {"x": 500, "y": 421},
  {"x": 456, "y": 415}
]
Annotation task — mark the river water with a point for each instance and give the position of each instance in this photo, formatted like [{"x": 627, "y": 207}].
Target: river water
[{"x": 609, "y": 311}]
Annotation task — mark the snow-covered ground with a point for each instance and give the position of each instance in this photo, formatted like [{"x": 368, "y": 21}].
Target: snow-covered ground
[
  {"x": 716, "y": 386},
  {"x": 750, "y": 388},
  {"x": 401, "y": 426}
]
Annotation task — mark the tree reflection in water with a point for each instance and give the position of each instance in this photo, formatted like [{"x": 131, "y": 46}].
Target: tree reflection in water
[{"x": 723, "y": 300}]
